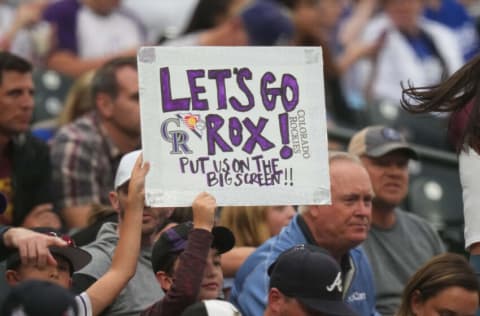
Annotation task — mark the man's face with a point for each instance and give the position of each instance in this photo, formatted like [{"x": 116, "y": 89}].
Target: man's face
[
  {"x": 282, "y": 305},
  {"x": 331, "y": 12},
  {"x": 389, "y": 176},
  {"x": 59, "y": 274},
  {"x": 16, "y": 102},
  {"x": 405, "y": 14},
  {"x": 345, "y": 223},
  {"x": 153, "y": 217},
  {"x": 103, "y": 7},
  {"x": 212, "y": 282},
  {"x": 126, "y": 113},
  {"x": 307, "y": 18}
]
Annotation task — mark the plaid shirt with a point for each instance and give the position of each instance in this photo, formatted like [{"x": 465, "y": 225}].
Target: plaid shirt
[{"x": 84, "y": 163}]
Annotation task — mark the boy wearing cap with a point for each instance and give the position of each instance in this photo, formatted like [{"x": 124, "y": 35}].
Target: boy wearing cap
[
  {"x": 385, "y": 154},
  {"x": 305, "y": 281},
  {"x": 70, "y": 258},
  {"x": 186, "y": 260}
]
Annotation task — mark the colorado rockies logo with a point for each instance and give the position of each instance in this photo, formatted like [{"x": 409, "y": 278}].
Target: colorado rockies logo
[{"x": 177, "y": 137}]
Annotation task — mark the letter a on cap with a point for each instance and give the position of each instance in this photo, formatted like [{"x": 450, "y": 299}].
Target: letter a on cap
[{"x": 337, "y": 283}]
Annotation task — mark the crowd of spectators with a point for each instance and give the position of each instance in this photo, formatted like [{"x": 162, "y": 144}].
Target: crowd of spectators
[{"x": 365, "y": 254}]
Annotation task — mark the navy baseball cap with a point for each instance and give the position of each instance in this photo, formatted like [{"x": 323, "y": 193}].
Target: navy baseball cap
[
  {"x": 312, "y": 276},
  {"x": 267, "y": 24},
  {"x": 174, "y": 240},
  {"x": 39, "y": 298}
]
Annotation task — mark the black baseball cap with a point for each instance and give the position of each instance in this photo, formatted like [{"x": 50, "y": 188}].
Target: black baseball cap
[
  {"x": 76, "y": 257},
  {"x": 39, "y": 298},
  {"x": 174, "y": 240},
  {"x": 312, "y": 276}
]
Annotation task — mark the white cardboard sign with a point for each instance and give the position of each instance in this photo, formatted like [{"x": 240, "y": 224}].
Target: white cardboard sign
[{"x": 246, "y": 124}]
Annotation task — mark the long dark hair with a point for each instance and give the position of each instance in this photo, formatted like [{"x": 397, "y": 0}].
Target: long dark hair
[
  {"x": 453, "y": 96},
  {"x": 441, "y": 272}
]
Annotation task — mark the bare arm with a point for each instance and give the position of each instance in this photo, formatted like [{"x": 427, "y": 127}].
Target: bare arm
[
  {"x": 124, "y": 263},
  {"x": 233, "y": 259},
  {"x": 32, "y": 246},
  {"x": 355, "y": 24},
  {"x": 71, "y": 65},
  {"x": 27, "y": 14}
]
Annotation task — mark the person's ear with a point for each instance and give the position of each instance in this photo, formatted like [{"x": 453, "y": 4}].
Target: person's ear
[
  {"x": 12, "y": 277},
  {"x": 164, "y": 280},
  {"x": 416, "y": 302},
  {"x": 275, "y": 300},
  {"x": 105, "y": 105},
  {"x": 113, "y": 196}
]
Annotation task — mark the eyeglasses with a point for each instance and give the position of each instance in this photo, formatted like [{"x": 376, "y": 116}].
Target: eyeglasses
[{"x": 70, "y": 242}]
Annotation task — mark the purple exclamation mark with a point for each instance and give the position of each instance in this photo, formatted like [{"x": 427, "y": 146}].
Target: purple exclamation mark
[{"x": 286, "y": 152}]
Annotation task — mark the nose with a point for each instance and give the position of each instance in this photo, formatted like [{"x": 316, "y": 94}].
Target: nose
[
  {"x": 209, "y": 269},
  {"x": 363, "y": 208},
  {"x": 54, "y": 273},
  {"x": 290, "y": 212},
  {"x": 27, "y": 101}
]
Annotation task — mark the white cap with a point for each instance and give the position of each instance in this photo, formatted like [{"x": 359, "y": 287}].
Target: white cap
[
  {"x": 125, "y": 168},
  {"x": 211, "y": 308}
]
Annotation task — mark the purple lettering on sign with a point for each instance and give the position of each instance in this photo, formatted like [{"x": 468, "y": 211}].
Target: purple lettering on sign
[
  {"x": 269, "y": 95},
  {"x": 289, "y": 81},
  {"x": 256, "y": 136},
  {"x": 235, "y": 131},
  {"x": 242, "y": 75},
  {"x": 195, "y": 90},
  {"x": 169, "y": 104},
  {"x": 286, "y": 152},
  {"x": 220, "y": 75},
  {"x": 214, "y": 122}
]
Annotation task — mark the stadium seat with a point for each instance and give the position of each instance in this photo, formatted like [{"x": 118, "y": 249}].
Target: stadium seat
[
  {"x": 436, "y": 195},
  {"x": 423, "y": 129},
  {"x": 50, "y": 91}
]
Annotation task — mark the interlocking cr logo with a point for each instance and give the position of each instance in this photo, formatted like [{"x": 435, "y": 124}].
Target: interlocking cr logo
[{"x": 178, "y": 138}]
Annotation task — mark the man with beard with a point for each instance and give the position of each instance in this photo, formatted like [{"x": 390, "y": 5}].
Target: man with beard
[
  {"x": 385, "y": 154},
  {"x": 143, "y": 289},
  {"x": 86, "y": 152}
]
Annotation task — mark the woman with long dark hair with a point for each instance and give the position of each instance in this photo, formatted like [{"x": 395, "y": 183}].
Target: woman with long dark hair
[{"x": 459, "y": 95}]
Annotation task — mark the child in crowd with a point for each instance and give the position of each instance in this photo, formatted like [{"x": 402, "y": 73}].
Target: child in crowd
[{"x": 186, "y": 260}]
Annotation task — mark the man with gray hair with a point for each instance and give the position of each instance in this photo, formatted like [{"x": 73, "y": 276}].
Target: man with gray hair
[{"x": 339, "y": 228}]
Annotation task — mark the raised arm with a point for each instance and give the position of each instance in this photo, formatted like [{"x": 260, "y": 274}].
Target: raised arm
[{"x": 103, "y": 292}]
